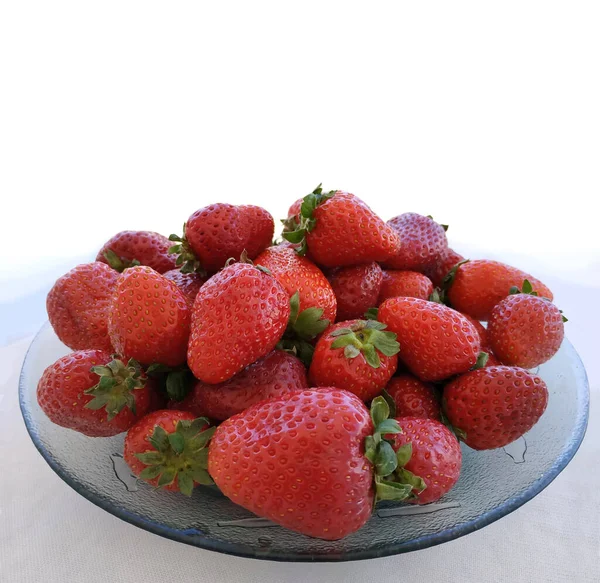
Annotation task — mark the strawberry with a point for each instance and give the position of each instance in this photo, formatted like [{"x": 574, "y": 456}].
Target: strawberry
[
  {"x": 429, "y": 457},
  {"x": 298, "y": 274},
  {"x": 358, "y": 356},
  {"x": 491, "y": 407},
  {"x": 481, "y": 331},
  {"x": 476, "y": 286},
  {"x": 90, "y": 392},
  {"x": 436, "y": 342},
  {"x": 356, "y": 289},
  {"x": 525, "y": 330},
  {"x": 188, "y": 283},
  {"x": 164, "y": 449},
  {"x": 77, "y": 306},
  {"x": 130, "y": 248},
  {"x": 423, "y": 242},
  {"x": 219, "y": 232},
  {"x": 239, "y": 315},
  {"x": 413, "y": 398},
  {"x": 149, "y": 318},
  {"x": 405, "y": 283},
  {"x": 440, "y": 269},
  {"x": 271, "y": 376},
  {"x": 340, "y": 229}
]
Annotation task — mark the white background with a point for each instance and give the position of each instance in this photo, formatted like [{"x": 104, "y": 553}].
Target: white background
[{"x": 118, "y": 115}]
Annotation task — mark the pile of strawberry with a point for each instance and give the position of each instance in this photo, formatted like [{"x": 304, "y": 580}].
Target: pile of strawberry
[{"x": 308, "y": 378}]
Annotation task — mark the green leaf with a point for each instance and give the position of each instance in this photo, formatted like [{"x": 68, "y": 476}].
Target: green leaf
[
  {"x": 201, "y": 476},
  {"x": 527, "y": 287},
  {"x": 309, "y": 204},
  {"x": 449, "y": 278},
  {"x": 114, "y": 260},
  {"x": 372, "y": 313},
  {"x": 379, "y": 410},
  {"x": 179, "y": 384},
  {"x": 310, "y": 323},
  {"x": 564, "y": 318},
  {"x": 391, "y": 403},
  {"x": 201, "y": 439},
  {"x": 167, "y": 477},
  {"x": 174, "y": 249},
  {"x": 294, "y": 307},
  {"x": 150, "y": 458},
  {"x": 159, "y": 438},
  {"x": 375, "y": 325},
  {"x": 173, "y": 237},
  {"x": 385, "y": 342},
  {"x": 371, "y": 356},
  {"x": 294, "y": 236},
  {"x": 351, "y": 351},
  {"x": 514, "y": 290},
  {"x": 386, "y": 490},
  {"x": 445, "y": 227},
  {"x": 177, "y": 442},
  {"x": 370, "y": 448},
  {"x": 157, "y": 368},
  {"x": 437, "y": 296},
  {"x": 403, "y": 454},
  {"x": 185, "y": 483},
  {"x": 388, "y": 426},
  {"x": 481, "y": 361},
  {"x": 151, "y": 472},
  {"x": 385, "y": 461},
  {"x": 340, "y": 332},
  {"x": 345, "y": 340},
  {"x": 406, "y": 477}
]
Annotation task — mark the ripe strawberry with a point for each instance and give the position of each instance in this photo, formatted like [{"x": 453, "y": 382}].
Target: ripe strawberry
[
  {"x": 357, "y": 356},
  {"x": 129, "y": 248},
  {"x": 493, "y": 406},
  {"x": 298, "y": 274},
  {"x": 446, "y": 261},
  {"x": 77, "y": 306},
  {"x": 271, "y": 376},
  {"x": 436, "y": 342},
  {"x": 294, "y": 210},
  {"x": 356, "y": 289},
  {"x": 89, "y": 392},
  {"x": 216, "y": 233},
  {"x": 481, "y": 331},
  {"x": 525, "y": 330},
  {"x": 423, "y": 242},
  {"x": 413, "y": 398},
  {"x": 340, "y": 229},
  {"x": 406, "y": 284},
  {"x": 478, "y": 285},
  {"x": 427, "y": 453},
  {"x": 149, "y": 318},
  {"x": 239, "y": 315},
  {"x": 188, "y": 283},
  {"x": 164, "y": 449}
]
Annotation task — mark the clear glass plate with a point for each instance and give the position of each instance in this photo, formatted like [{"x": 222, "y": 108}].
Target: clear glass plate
[{"x": 492, "y": 483}]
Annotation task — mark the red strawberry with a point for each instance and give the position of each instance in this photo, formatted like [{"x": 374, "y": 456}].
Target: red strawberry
[
  {"x": 481, "y": 331},
  {"x": 340, "y": 229},
  {"x": 129, "y": 248},
  {"x": 188, "y": 283},
  {"x": 239, "y": 315},
  {"x": 164, "y": 449},
  {"x": 423, "y": 242},
  {"x": 446, "y": 261},
  {"x": 297, "y": 274},
  {"x": 436, "y": 342},
  {"x": 271, "y": 376},
  {"x": 296, "y": 207},
  {"x": 149, "y": 318},
  {"x": 493, "y": 406},
  {"x": 216, "y": 233},
  {"x": 406, "y": 284},
  {"x": 77, "y": 306},
  {"x": 357, "y": 356},
  {"x": 478, "y": 285},
  {"x": 356, "y": 289},
  {"x": 428, "y": 453},
  {"x": 525, "y": 330},
  {"x": 413, "y": 398},
  {"x": 89, "y": 392}
]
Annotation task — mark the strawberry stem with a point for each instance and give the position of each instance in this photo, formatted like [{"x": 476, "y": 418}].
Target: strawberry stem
[{"x": 186, "y": 260}]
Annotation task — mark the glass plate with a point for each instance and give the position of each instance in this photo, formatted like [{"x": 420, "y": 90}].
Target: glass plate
[{"x": 492, "y": 483}]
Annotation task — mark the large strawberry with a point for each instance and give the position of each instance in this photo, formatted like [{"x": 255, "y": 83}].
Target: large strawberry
[
  {"x": 413, "y": 398},
  {"x": 358, "y": 356},
  {"x": 404, "y": 283},
  {"x": 446, "y": 261},
  {"x": 149, "y": 318},
  {"x": 476, "y": 286},
  {"x": 436, "y": 342},
  {"x": 491, "y": 407},
  {"x": 340, "y": 229},
  {"x": 219, "y": 232},
  {"x": 129, "y": 248},
  {"x": 188, "y": 283},
  {"x": 92, "y": 393},
  {"x": 239, "y": 315},
  {"x": 524, "y": 329},
  {"x": 77, "y": 306},
  {"x": 356, "y": 289}
]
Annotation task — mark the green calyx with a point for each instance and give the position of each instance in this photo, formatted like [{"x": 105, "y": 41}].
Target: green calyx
[
  {"x": 176, "y": 382},
  {"x": 445, "y": 227},
  {"x": 119, "y": 264},
  {"x": 366, "y": 337},
  {"x": 438, "y": 296},
  {"x": 372, "y": 313},
  {"x": 392, "y": 480},
  {"x": 296, "y": 228},
  {"x": 180, "y": 455},
  {"x": 186, "y": 258},
  {"x": 527, "y": 289},
  {"x": 115, "y": 388},
  {"x": 481, "y": 361},
  {"x": 450, "y": 276}
]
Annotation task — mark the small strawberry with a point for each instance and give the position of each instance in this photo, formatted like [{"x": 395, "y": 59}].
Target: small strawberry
[
  {"x": 446, "y": 261},
  {"x": 476, "y": 286},
  {"x": 188, "y": 283},
  {"x": 356, "y": 289},
  {"x": 423, "y": 242},
  {"x": 406, "y": 284},
  {"x": 166, "y": 450},
  {"x": 413, "y": 398},
  {"x": 358, "y": 356},
  {"x": 271, "y": 376},
  {"x": 239, "y": 315},
  {"x": 340, "y": 229},
  {"x": 77, "y": 306},
  {"x": 219, "y": 232},
  {"x": 436, "y": 342},
  {"x": 491, "y": 407},
  {"x": 130, "y": 248},
  {"x": 92, "y": 393},
  {"x": 525, "y": 330},
  {"x": 149, "y": 318}
]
